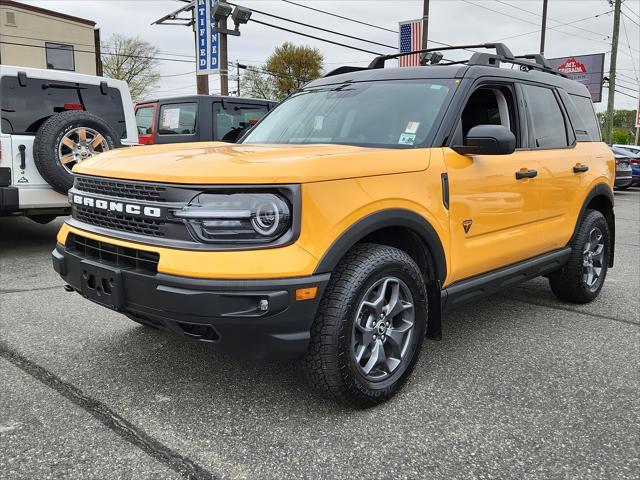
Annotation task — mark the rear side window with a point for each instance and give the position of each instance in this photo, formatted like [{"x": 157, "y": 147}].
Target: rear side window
[
  {"x": 584, "y": 120},
  {"x": 549, "y": 128},
  {"x": 24, "y": 109},
  {"x": 233, "y": 119},
  {"x": 178, "y": 119},
  {"x": 144, "y": 120}
]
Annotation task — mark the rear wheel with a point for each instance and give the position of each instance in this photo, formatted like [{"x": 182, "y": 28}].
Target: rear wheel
[
  {"x": 370, "y": 326},
  {"x": 582, "y": 278},
  {"x": 68, "y": 138}
]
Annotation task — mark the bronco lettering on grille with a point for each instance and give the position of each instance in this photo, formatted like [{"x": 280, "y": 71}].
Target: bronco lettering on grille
[{"x": 120, "y": 207}]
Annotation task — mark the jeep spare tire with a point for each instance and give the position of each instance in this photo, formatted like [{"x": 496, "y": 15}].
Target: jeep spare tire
[{"x": 68, "y": 138}]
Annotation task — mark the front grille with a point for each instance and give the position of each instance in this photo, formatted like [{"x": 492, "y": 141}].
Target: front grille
[
  {"x": 118, "y": 221},
  {"x": 122, "y": 257},
  {"x": 113, "y": 188}
]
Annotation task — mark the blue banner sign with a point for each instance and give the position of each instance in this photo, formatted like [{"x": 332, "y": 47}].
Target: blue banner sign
[{"x": 208, "y": 55}]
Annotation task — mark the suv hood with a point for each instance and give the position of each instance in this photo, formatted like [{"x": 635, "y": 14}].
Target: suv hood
[{"x": 217, "y": 162}]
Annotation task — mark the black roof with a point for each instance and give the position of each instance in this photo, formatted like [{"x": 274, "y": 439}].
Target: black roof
[
  {"x": 530, "y": 67},
  {"x": 453, "y": 71}
]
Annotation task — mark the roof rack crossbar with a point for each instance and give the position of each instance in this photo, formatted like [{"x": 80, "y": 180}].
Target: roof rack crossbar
[
  {"x": 538, "y": 58},
  {"x": 501, "y": 50}
]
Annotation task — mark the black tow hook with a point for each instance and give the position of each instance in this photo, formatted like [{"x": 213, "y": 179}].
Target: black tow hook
[{"x": 69, "y": 288}]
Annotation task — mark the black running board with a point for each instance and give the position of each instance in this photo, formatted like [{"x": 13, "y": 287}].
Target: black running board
[{"x": 491, "y": 282}]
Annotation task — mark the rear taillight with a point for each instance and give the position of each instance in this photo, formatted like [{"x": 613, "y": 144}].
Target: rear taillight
[
  {"x": 635, "y": 161},
  {"x": 617, "y": 162}
]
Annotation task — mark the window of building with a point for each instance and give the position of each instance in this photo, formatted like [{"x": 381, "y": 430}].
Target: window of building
[
  {"x": 549, "y": 128},
  {"x": 178, "y": 119},
  {"x": 10, "y": 19},
  {"x": 60, "y": 56}
]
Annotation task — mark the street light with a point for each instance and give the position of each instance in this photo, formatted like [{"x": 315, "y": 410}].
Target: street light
[
  {"x": 240, "y": 16},
  {"x": 221, "y": 10}
]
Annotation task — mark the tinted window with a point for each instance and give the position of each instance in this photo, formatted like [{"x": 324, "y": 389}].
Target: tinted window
[
  {"x": 549, "y": 129},
  {"x": 144, "y": 120},
  {"x": 233, "y": 119},
  {"x": 24, "y": 109},
  {"x": 177, "y": 119},
  {"x": 60, "y": 56},
  {"x": 584, "y": 119},
  {"x": 390, "y": 113}
]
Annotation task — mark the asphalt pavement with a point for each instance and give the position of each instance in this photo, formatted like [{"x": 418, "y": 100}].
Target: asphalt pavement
[{"x": 521, "y": 386}]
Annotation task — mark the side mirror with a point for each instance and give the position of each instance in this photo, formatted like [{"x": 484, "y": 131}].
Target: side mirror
[{"x": 488, "y": 140}]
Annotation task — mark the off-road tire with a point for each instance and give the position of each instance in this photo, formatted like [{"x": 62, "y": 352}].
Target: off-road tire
[
  {"x": 49, "y": 136},
  {"x": 329, "y": 363},
  {"x": 567, "y": 283}
]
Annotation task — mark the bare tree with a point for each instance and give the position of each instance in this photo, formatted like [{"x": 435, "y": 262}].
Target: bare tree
[
  {"x": 133, "y": 60},
  {"x": 257, "y": 84}
]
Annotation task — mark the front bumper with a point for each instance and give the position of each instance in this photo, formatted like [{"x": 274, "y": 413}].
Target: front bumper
[{"x": 230, "y": 313}]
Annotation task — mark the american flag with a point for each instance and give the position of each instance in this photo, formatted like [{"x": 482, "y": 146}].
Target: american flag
[{"x": 410, "y": 40}]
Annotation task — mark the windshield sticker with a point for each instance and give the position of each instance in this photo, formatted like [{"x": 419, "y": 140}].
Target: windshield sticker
[
  {"x": 318, "y": 122},
  {"x": 170, "y": 119},
  {"x": 407, "y": 139},
  {"x": 436, "y": 87},
  {"x": 412, "y": 127}
]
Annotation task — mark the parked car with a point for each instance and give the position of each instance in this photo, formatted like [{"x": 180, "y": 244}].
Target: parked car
[
  {"x": 633, "y": 151},
  {"x": 350, "y": 216},
  {"x": 198, "y": 118},
  {"x": 50, "y": 121},
  {"x": 624, "y": 171}
]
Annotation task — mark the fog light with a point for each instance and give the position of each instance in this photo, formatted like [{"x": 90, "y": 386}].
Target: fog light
[
  {"x": 263, "y": 305},
  {"x": 306, "y": 293}
]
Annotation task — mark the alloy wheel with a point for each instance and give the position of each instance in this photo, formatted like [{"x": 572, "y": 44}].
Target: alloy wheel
[
  {"x": 79, "y": 144},
  {"x": 382, "y": 330},
  {"x": 593, "y": 258}
]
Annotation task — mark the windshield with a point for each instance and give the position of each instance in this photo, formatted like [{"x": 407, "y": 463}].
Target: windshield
[{"x": 393, "y": 113}]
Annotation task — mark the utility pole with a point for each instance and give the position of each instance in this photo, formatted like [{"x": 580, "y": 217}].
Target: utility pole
[
  {"x": 543, "y": 34},
  {"x": 608, "y": 127},
  {"x": 425, "y": 24},
  {"x": 238, "y": 79},
  {"x": 224, "y": 60}
]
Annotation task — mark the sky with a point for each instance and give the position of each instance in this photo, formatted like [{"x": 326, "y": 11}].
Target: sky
[{"x": 451, "y": 21}]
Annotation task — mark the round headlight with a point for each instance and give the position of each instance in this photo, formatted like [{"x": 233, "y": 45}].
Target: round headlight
[{"x": 266, "y": 219}]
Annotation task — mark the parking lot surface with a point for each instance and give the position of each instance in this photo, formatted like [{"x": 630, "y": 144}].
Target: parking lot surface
[{"x": 521, "y": 386}]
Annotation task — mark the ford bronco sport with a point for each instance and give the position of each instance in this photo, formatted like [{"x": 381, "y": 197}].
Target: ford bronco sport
[{"x": 356, "y": 210}]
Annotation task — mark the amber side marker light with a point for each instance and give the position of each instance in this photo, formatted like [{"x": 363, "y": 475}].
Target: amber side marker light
[{"x": 306, "y": 293}]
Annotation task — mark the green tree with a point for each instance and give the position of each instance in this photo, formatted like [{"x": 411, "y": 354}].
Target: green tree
[
  {"x": 133, "y": 60},
  {"x": 624, "y": 125},
  {"x": 287, "y": 69},
  {"x": 255, "y": 83}
]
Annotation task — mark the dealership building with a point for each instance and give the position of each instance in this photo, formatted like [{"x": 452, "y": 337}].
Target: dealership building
[{"x": 40, "y": 38}]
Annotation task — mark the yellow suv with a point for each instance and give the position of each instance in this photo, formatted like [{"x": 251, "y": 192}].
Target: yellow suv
[{"x": 351, "y": 215}]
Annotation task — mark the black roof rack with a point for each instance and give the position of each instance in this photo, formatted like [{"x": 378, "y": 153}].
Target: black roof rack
[
  {"x": 532, "y": 61},
  {"x": 501, "y": 50}
]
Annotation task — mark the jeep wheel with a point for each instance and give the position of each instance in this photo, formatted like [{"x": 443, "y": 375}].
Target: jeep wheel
[
  {"x": 582, "y": 278},
  {"x": 66, "y": 139},
  {"x": 370, "y": 326}
]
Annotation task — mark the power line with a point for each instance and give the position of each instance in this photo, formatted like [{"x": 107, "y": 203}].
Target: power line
[
  {"x": 630, "y": 19},
  {"x": 624, "y": 29},
  {"x": 553, "y": 19},
  {"x": 557, "y": 26},
  {"x": 322, "y": 29},
  {"x": 340, "y": 16},
  {"x": 314, "y": 37},
  {"x": 631, "y": 11}
]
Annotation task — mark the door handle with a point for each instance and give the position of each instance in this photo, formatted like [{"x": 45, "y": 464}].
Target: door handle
[
  {"x": 520, "y": 174},
  {"x": 23, "y": 157},
  {"x": 580, "y": 168}
]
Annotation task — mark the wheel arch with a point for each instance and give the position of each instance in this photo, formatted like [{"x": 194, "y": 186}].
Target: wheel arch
[
  {"x": 383, "y": 227},
  {"x": 600, "y": 198}
]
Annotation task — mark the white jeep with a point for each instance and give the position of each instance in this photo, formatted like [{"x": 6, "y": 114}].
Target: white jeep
[{"x": 51, "y": 120}]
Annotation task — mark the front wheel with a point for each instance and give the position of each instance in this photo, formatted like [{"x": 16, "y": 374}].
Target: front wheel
[
  {"x": 582, "y": 278},
  {"x": 370, "y": 326}
]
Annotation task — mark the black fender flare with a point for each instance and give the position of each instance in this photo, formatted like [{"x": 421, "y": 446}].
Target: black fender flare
[
  {"x": 605, "y": 191},
  {"x": 394, "y": 217}
]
